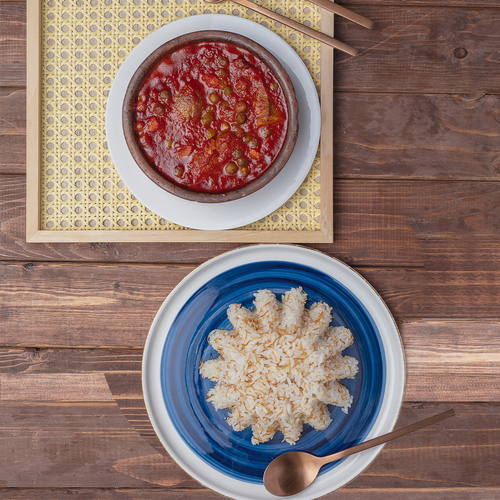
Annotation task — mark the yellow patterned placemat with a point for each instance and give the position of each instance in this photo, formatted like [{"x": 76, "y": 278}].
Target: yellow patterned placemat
[{"x": 83, "y": 45}]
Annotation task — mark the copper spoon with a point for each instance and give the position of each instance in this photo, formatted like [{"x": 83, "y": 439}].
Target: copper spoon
[
  {"x": 336, "y": 44},
  {"x": 292, "y": 472}
]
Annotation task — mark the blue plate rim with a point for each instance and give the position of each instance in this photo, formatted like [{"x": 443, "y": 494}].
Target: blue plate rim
[{"x": 182, "y": 413}]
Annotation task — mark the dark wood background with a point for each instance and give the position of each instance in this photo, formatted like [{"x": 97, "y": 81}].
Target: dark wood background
[{"x": 417, "y": 212}]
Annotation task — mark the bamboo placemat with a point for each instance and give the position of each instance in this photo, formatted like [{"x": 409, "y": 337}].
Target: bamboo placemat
[{"x": 74, "y": 192}]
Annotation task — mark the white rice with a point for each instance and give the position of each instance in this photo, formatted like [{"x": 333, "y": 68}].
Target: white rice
[{"x": 280, "y": 366}]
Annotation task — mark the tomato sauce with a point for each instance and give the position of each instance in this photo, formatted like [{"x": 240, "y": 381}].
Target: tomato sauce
[{"x": 211, "y": 116}]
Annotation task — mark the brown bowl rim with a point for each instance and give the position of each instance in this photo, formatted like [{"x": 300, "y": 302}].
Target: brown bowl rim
[{"x": 211, "y": 36}]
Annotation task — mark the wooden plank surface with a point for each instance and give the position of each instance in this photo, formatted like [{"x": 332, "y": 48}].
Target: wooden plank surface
[
  {"x": 13, "y": 131},
  {"x": 417, "y": 162},
  {"x": 413, "y": 47},
  {"x": 360, "y": 5},
  {"x": 43, "y": 429},
  {"x": 348, "y": 493},
  {"x": 429, "y": 49},
  {"x": 395, "y": 136},
  {"x": 376, "y": 223},
  {"x": 114, "y": 305},
  {"x": 446, "y": 361},
  {"x": 54, "y": 387},
  {"x": 12, "y": 44},
  {"x": 422, "y": 137},
  {"x": 54, "y": 438}
]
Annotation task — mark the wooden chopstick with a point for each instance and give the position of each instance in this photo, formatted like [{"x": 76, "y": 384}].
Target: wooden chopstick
[
  {"x": 299, "y": 27},
  {"x": 342, "y": 11}
]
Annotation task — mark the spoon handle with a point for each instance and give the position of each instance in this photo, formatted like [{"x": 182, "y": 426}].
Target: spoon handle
[
  {"x": 343, "y": 12},
  {"x": 387, "y": 437},
  {"x": 336, "y": 44}
]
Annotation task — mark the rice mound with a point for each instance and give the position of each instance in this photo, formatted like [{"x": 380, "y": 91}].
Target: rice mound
[{"x": 280, "y": 366}]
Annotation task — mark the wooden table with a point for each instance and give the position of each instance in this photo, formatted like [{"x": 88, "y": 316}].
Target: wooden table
[{"x": 417, "y": 212}]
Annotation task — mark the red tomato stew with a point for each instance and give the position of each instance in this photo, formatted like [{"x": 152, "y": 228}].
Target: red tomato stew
[{"x": 211, "y": 116}]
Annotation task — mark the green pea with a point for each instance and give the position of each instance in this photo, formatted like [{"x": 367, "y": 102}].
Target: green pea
[
  {"x": 237, "y": 154},
  {"x": 253, "y": 143},
  {"x": 244, "y": 171},
  {"x": 210, "y": 133},
  {"x": 207, "y": 118},
  {"x": 179, "y": 171},
  {"x": 159, "y": 109},
  {"x": 247, "y": 138},
  {"x": 241, "y": 118},
  {"x": 222, "y": 61},
  {"x": 240, "y": 107},
  {"x": 165, "y": 95},
  {"x": 242, "y": 162},
  {"x": 228, "y": 91},
  {"x": 231, "y": 168},
  {"x": 213, "y": 98},
  {"x": 274, "y": 86}
]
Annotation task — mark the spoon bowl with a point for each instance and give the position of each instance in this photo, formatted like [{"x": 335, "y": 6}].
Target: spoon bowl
[{"x": 292, "y": 472}]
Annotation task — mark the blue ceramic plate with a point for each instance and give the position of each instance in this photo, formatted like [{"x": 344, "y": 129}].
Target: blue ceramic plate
[{"x": 198, "y": 437}]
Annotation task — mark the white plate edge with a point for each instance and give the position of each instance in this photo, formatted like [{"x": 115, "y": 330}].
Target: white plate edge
[
  {"x": 389, "y": 410},
  {"x": 257, "y": 201}
]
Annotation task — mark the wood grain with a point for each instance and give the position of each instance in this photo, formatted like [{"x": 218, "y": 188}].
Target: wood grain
[
  {"x": 417, "y": 212},
  {"x": 33, "y": 117},
  {"x": 395, "y": 136},
  {"x": 347, "y": 493},
  {"x": 376, "y": 223},
  {"x": 78, "y": 445},
  {"x": 424, "y": 460},
  {"x": 417, "y": 294},
  {"x": 327, "y": 127},
  {"x": 446, "y": 361},
  {"x": 388, "y": 136},
  {"x": 52, "y": 361},
  {"x": 421, "y": 49},
  {"x": 114, "y": 305},
  {"x": 54, "y": 387},
  {"x": 94, "y": 446},
  {"x": 439, "y": 454},
  {"x": 12, "y": 44},
  {"x": 13, "y": 245},
  {"x": 359, "y": 5},
  {"x": 452, "y": 360},
  {"x": 461, "y": 253},
  {"x": 413, "y": 47},
  {"x": 12, "y": 131},
  {"x": 94, "y": 305}
]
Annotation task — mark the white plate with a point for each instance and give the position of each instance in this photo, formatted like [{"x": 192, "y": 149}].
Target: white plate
[
  {"x": 203, "y": 278},
  {"x": 231, "y": 214}
]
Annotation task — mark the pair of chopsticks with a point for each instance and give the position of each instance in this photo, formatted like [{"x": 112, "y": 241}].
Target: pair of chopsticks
[
  {"x": 347, "y": 14},
  {"x": 326, "y": 4}
]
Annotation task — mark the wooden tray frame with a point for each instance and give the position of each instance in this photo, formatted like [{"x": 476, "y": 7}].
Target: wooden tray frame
[{"x": 34, "y": 232}]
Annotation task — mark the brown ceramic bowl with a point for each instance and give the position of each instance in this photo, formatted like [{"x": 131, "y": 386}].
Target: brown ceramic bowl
[{"x": 183, "y": 192}]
